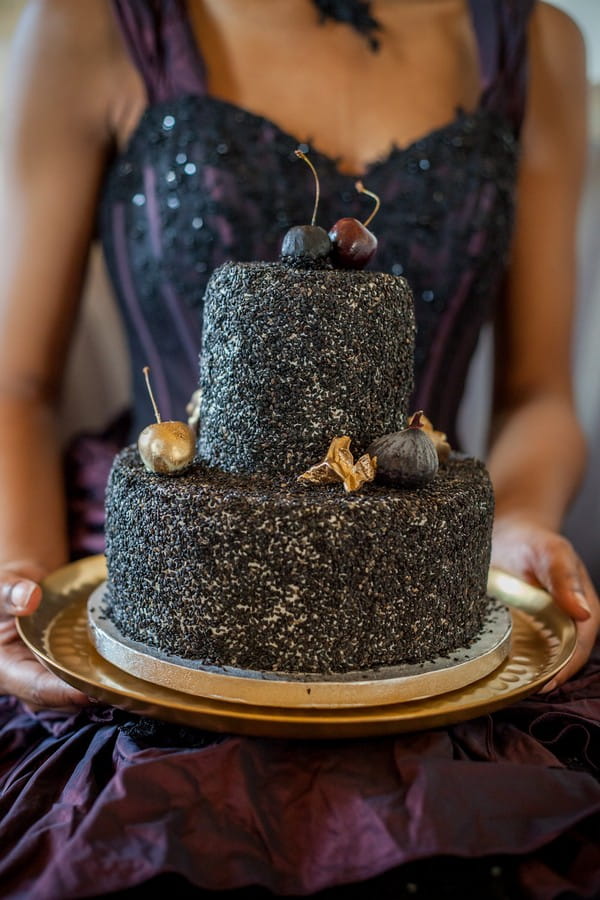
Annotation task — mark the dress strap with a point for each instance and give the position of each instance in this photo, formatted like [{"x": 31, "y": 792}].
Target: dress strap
[
  {"x": 161, "y": 43},
  {"x": 501, "y": 31}
]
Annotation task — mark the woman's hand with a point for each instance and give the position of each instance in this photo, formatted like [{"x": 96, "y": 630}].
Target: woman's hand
[
  {"x": 546, "y": 559},
  {"x": 20, "y": 673}
]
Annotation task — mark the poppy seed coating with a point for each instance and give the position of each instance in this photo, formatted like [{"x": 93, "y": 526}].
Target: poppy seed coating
[
  {"x": 293, "y": 357},
  {"x": 255, "y": 573}
]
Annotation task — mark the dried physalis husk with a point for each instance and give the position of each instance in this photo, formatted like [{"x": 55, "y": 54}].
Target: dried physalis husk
[
  {"x": 193, "y": 411},
  {"x": 439, "y": 439},
  {"x": 322, "y": 473},
  {"x": 362, "y": 471},
  {"x": 339, "y": 465}
]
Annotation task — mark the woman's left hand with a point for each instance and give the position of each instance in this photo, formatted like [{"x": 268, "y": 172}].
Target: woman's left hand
[{"x": 547, "y": 559}]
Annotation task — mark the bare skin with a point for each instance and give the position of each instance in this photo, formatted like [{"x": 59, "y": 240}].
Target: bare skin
[{"x": 74, "y": 96}]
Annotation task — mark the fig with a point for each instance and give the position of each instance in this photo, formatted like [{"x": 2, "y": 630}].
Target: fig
[{"x": 406, "y": 458}]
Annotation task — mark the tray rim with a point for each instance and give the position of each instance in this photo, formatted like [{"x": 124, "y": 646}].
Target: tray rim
[{"x": 143, "y": 698}]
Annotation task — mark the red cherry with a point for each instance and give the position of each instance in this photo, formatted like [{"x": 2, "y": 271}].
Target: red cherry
[{"x": 352, "y": 244}]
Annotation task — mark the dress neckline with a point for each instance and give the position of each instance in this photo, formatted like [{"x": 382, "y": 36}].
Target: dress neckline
[{"x": 395, "y": 153}]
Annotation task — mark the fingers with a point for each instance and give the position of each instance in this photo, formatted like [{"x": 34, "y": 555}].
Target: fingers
[
  {"x": 586, "y": 637},
  {"x": 18, "y": 596},
  {"x": 21, "y": 674},
  {"x": 548, "y": 559},
  {"x": 26, "y": 678},
  {"x": 49, "y": 692},
  {"x": 20, "y": 593},
  {"x": 560, "y": 571},
  {"x": 587, "y": 632}
]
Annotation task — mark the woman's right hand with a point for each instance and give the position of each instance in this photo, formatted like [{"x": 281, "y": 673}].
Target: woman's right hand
[{"x": 20, "y": 672}]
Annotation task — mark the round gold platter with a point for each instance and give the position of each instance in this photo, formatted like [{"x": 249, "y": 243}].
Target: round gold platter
[{"x": 542, "y": 641}]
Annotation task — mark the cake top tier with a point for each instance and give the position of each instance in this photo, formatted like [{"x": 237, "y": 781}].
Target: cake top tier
[{"x": 294, "y": 357}]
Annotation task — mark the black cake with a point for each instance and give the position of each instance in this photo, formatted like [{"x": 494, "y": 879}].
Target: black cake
[{"x": 236, "y": 562}]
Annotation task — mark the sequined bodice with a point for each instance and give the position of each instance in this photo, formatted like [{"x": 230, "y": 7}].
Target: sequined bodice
[{"x": 203, "y": 181}]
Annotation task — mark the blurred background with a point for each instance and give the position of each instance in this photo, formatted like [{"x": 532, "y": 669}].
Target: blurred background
[{"x": 97, "y": 382}]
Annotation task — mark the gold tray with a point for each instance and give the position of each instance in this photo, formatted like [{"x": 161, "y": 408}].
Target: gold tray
[{"x": 543, "y": 640}]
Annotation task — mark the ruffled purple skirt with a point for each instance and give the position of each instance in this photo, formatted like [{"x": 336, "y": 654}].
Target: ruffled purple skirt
[
  {"x": 101, "y": 801},
  {"x": 506, "y": 805}
]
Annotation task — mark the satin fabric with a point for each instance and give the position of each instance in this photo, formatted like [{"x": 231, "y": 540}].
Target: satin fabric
[{"x": 103, "y": 800}]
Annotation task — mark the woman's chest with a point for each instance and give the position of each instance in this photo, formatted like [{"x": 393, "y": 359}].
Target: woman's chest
[{"x": 323, "y": 84}]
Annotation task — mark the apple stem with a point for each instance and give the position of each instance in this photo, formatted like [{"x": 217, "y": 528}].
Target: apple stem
[
  {"x": 304, "y": 157},
  {"x": 146, "y": 372},
  {"x": 362, "y": 190}
]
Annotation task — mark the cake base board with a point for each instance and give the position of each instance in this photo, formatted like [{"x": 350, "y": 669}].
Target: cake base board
[
  {"x": 543, "y": 641},
  {"x": 389, "y": 684}
]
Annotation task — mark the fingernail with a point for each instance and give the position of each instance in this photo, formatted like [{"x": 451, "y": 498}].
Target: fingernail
[
  {"x": 582, "y": 603},
  {"x": 19, "y": 595},
  {"x": 548, "y": 687}
]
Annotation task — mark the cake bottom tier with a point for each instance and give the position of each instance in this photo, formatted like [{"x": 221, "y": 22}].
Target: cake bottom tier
[{"x": 259, "y": 574}]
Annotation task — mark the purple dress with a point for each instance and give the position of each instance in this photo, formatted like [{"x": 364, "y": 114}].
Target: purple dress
[{"x": 506, "y": 805}]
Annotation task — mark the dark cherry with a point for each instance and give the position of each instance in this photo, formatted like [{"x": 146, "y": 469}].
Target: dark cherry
[
  {"x": 307, "y": 243},
  {"x": 352, "y": 244}
]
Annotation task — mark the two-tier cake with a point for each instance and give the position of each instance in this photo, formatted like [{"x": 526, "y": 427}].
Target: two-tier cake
[{"x": 239, "y": 562}]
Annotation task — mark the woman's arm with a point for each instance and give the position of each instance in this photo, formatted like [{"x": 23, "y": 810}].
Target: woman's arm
[
  {"x": 56, "y": 140},
  {"x": 537, "y": 452}
]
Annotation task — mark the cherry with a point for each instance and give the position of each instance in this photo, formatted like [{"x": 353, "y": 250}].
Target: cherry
[
  {"x": 165, "y": 447},
  {"x": 307, "y": 243},
  {"x": 353, "y": 245}
]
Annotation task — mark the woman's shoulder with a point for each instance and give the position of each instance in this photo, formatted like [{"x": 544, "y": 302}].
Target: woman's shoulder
[
  {"x": 558, "y": 70},
  {"x": 555, "y": 32},
  {"x": 87, "y": 30},
  {"x": 74, "y": 50}
]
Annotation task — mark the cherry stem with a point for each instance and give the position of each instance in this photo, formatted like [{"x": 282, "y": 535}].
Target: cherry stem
[
  {"x": 146, "y": 372},
  {"x": 362, "y": 190},
  {"x": 415, "y": 420},
  {"x": 304, "y": 157}
]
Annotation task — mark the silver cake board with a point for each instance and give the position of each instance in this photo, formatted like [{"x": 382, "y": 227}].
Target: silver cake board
[{"x": 386, "y": 685}]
